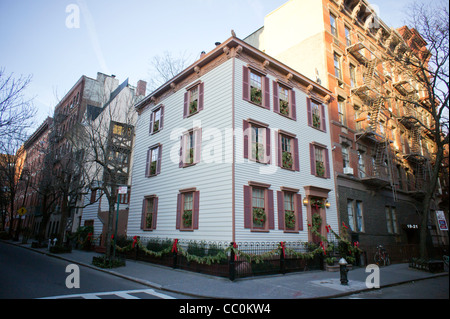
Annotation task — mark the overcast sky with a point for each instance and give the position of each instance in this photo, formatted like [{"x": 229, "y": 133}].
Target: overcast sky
[{"x": 43, "y": 38}]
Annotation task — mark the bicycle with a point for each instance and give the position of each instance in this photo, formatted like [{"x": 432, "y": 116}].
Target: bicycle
[{"x": 382, "y": 256}]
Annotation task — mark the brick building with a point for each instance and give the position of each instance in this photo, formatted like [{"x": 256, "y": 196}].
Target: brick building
[{"x": 381, "y": 157}]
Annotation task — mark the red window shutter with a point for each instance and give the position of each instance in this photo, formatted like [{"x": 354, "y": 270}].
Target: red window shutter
[
  {"x": 155, "y": 212},
  {"x": 151, "y": 122},
  {"x": 268, "y": 158},
  {"x": 296, "y": 156},
  {"x": 293, "y": 105},
  {"x": 247, "y": 206},
  {"x": 201, "y": 96},
  {"x": 144, "y": 209},
  {"x": 198, "y": 145},
  {"x": 276, "y": 101},
  {"x": 147, "y": 165},
  {"x": 195, "y": 213},
  {"x": 179, "y": 201},
  {"x": 298, "y": 203},
  {"x": 246, "y": 83},
  {"x": 266, "y": 92},
  {"x": 246, "y": 133},
  {"x": 312, "y": 156},
  {"x": 280, "y": 202},
  {"x": 324, "y": 121},
  {"x": 278, "y": 148},
  {"x": 161, "y": 121},
  {"x": 185, "y": 105},
  {"x": 308, "y": 108},
  {"x": 158, "y": 165},
  {"x": 327, "y": 164},
  {"x": 270, "y": 210}
]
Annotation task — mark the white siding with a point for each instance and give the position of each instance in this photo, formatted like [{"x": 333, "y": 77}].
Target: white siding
[
  {"x": 213, "y": 180},
  {"x": 271, "y": 174}
]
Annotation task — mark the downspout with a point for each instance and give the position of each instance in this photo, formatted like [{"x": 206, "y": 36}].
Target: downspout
[{"x": 233, "y": 194}]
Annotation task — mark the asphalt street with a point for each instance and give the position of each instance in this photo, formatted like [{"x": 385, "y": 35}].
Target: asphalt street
[{"x": 25, "y": 274}]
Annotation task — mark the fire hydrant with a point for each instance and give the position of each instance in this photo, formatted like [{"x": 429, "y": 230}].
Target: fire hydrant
[{"x": 343, "y": 271}]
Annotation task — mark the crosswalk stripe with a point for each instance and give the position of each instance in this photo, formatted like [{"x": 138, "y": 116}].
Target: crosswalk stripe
[{"x": 125, "y": 294}]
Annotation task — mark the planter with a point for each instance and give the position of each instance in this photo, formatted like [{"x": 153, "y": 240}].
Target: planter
[{"x": 332, "y": 268}]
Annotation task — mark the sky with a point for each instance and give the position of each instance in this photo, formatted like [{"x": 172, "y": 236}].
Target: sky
[{"x": 58, "y": 41}]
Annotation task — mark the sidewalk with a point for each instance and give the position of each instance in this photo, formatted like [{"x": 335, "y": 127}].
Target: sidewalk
[{"x": 300, "y": 285}]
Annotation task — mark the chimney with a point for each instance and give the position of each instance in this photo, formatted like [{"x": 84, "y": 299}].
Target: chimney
[
  {"x": 141, "y": 88},
  {"x": 202, "y": 54}
]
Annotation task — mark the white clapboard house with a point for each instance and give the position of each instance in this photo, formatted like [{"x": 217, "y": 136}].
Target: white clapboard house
[{"x": 234, "y": 148}]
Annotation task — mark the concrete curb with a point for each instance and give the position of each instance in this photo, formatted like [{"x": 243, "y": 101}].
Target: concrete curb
[{"x": 160, "y": 287}]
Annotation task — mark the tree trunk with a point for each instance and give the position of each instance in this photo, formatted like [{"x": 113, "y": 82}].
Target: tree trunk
[{"x": 429, "y": 195}]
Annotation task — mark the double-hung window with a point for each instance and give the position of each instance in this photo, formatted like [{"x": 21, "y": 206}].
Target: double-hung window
[
  {"x": 287, "y": 151},
  {"x": 333, "y": 27},
  {"x": 157, "y": 119},
  {"x": 337, "y": 66},
  {"x": 193, "y": 99},
  {"x": 256, "y": 87},
  {"x": 149, "y": 212},
  {"x": 320, "y": 165},
  {"x": 316, "y": 115},
  {"x": 190, "y": 148},
  {"x": 256, "y": 141},
  {"x": 153, "y": 164},
  {"x": 284, "y": 100},
  {"x": 188, "y": 209},
  {"x": 391, "y": 220},
  {"x": 289, "y": 210},
  {"x": 355, "y": 215},
  {"x": 258, "y": 207}
]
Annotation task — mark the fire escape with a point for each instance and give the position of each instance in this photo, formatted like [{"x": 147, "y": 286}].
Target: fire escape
[
  {"x": 372, "y": 129},
  {"x": 418, "y": 162}
]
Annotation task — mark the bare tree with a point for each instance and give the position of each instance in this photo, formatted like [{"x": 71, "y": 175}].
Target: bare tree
[
  {"x": 423, "y": 59},
  {"x": 16, "y": 111},
  {"x": 106, "y": 140},
  {"x": 164, "y": 67}
]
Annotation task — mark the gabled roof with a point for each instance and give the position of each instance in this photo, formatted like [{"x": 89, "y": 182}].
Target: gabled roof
[{"x": 232, "y": 42}]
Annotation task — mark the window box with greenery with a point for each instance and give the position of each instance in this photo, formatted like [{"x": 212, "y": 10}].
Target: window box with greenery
[
  {"x": 258, "y": 152},
  {"x": 287, "y": 160},
  {"x": 259, "y": 217},
  {"x": 284, "y": 107},
  {"x": 187, "y": 218},
  {"x": 320, "y": 169},
  {"x": 256, "y": 95}
]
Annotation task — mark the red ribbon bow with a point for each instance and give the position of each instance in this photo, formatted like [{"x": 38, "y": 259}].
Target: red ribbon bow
[
  {"x": 89, "y": 236},
  {"x": 235, "y": 247},
  {"x": 175, "y": 246},
  {"x": 282, "y": 248},
  {"x": 134, "y": 241},
  {"x": 344, "y": 225},
  {"x": 321, "y": 245}
]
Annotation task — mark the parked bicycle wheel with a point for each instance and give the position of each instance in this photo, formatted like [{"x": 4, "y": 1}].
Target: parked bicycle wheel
[
  {"x": 387, "y": 260},
  {"x": 377, "y": 258}
]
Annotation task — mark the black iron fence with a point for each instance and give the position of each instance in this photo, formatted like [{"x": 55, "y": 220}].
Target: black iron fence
[{"x": 224, "y": 259}]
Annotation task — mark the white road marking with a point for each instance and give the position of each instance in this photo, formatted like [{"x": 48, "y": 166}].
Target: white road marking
[{"x": 125, "y": 294}]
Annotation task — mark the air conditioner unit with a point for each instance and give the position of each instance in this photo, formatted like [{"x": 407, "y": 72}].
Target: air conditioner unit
[{"x": 348, "y": 171}]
